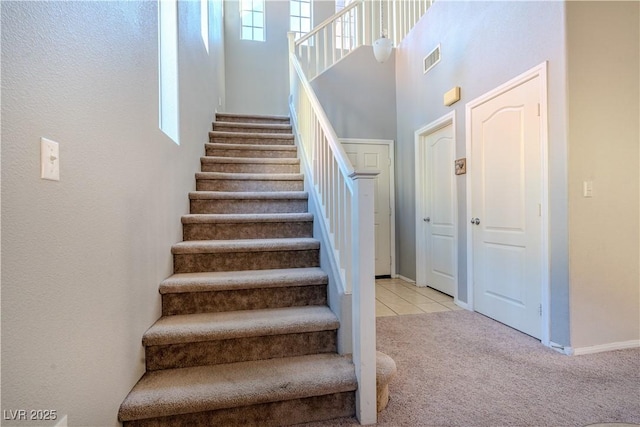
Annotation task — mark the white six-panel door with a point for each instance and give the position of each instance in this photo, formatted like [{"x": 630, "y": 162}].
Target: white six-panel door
[
  {"x": 373, "y": 156},
  {"x": 505, "y": 175}
]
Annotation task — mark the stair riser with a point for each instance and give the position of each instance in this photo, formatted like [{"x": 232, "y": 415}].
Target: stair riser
[
  {"x": 248, "y": 185},
  {"x": 234, "y": 261},
  {"x": 264, "y": 230},
  {"x": 226, "y": 127},
  {"x": 249, "y": 168},
  {"x": 241, "y": 119},
  {"x": 288, "y": 412},
  {"x": 248, "y": 140},
  {"x": 243, "y": 299},
  {"x": 231, "y": 206},
  {"x": 262, "y": 154},
  {"x": 185, "y": 355}
]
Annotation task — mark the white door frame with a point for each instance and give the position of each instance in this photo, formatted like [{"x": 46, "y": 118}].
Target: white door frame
[
  {"x": 392, "y": 190},
  {"x": 421, "y": 180},
  {"x": 539, "y": 71}
]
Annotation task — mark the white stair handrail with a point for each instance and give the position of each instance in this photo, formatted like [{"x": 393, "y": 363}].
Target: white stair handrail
[
  {"x": 343, "y": 196},
  {"x": 346, "y": 216}
]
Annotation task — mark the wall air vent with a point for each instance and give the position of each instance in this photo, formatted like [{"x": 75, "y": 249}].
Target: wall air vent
[{"x": 431, "y": 59}]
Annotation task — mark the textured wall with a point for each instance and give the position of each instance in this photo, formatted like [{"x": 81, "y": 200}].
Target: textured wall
[
  {"x": 358, "y": 94},
  {"x": 483, "y": 45},
  {"x": 257, "y": 73},
  {"x": 82, "y": 258},
  {"x": 604, "y": 137}
]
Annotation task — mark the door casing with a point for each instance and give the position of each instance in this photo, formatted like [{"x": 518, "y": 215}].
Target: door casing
[
  {"x": 540, "y": 71},
  {"x": 420, "y": 183}
]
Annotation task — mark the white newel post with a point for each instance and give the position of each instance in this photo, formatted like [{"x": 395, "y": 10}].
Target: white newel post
[{"x": 364, "y": 298}]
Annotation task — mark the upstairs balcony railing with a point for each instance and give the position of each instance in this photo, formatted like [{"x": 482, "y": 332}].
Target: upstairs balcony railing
[{"x": 360, "y": 23}]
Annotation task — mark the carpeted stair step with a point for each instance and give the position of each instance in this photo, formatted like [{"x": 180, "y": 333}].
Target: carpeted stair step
[
  {"x": 238, "y": 336},
  {"x": 272, "y": 392},
  {"x": 252, "y": 127},
  {"x": 221, "y": 202},
  {"x": 251, "y": 254},
  {"x": 251, "y": 150},
  {"x": 243, "y": 290},
  {"x": 234, "y": 182},
  {"x": 249, "y": 165},
  {"x": 251, "y": 138},
  {"x": 251, "y": 118},
  {"x": 246, "y": 226}
]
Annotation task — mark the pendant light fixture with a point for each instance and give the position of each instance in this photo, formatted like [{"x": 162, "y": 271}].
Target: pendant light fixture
[{"x": 382, "y": 47}]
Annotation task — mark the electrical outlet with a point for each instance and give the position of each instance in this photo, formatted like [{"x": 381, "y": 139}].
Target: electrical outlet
[{"x": 49, "y": 160}]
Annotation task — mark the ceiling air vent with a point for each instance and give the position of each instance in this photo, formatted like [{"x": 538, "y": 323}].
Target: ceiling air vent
[{"x": 432, "y": 59}]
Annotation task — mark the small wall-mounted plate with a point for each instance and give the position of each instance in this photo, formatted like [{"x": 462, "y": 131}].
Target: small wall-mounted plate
[
  {"x": 452, "y": 96},
  {"x": 461, "y": 166}
]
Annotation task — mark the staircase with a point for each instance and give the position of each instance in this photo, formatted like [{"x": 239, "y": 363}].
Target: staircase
[{"x": 246, "y": 336}]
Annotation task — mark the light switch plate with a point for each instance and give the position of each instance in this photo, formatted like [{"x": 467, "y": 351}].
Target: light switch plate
[
  {"x": 587, "y": 188},
  {"x": 49, "y": 160}
]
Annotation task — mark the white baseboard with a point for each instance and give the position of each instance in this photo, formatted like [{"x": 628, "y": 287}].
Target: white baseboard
[
  {"x": 462, "y": 304},
  {"x": 560, "y": 348},
  {"x": 622, "y": 345},
  {"x": 406, "y": 279}
]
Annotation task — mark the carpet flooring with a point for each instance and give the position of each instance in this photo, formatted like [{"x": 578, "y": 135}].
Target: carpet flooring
[{"x": 460, "y": 368}]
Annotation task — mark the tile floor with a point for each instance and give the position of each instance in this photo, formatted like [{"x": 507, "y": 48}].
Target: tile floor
[{"x": 396, "y": 297}]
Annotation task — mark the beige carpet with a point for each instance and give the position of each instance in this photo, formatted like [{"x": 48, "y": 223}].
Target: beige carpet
[{"x": 462, "y": 369}]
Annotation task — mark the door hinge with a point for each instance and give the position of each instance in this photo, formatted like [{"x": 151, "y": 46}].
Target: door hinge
[
  {"x": 538, "y": 109},
  {"x": 540, "y": 309}
]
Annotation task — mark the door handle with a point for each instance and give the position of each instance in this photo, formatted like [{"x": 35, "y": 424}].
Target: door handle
[
  {"x": 427, "y": 219},
  {"x": 475, "y": 221}
]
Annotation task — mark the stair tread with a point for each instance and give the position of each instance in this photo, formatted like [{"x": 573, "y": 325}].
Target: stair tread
[
  {"x": 254, "y": 116},
  {"x": 250, "y": 135},
  {"x": 251, "y": 176},
  {"x": 200, "y": 327},
  {"x": 249, "y": 279},
  {"x": 244, "y": 218},
  {"x": 250, "y": 160},
  {"x": 245, "y": 245},
  {"x": 206, "y": 388},
  {"x": 265, "y": 195},
  {"x": 249, "y": 125},
  {"x": 250, "y": 147}
]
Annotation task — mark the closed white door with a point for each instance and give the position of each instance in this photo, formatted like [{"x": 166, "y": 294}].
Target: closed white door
[
  {"x": 506, "y": 224},
  {"x": 376, "y": 157},
  {"x": 438, "y": 260}
]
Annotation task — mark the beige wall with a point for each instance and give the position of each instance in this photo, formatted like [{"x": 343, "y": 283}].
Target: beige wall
[
  {"x": 604, "y": 120},
  {"x": 82, "y": 258}
]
